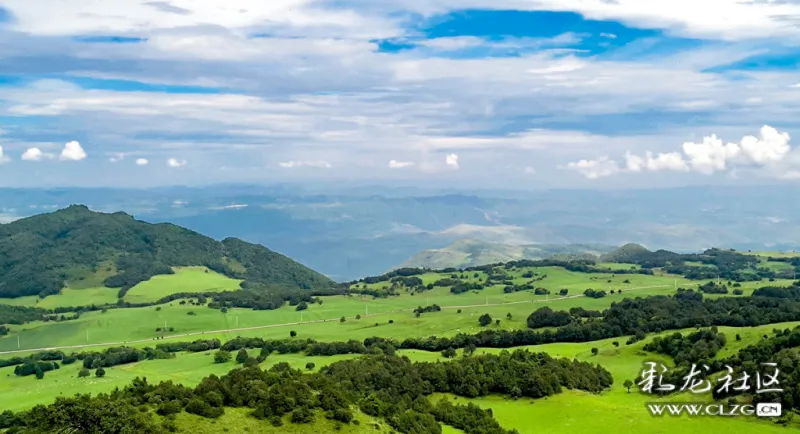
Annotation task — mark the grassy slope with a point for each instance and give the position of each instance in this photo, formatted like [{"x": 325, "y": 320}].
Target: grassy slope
[
  {"x": 118, "y": 325},
  {"x": 185, "y": 279},
  {"x": 17, "y": 393},
  {"x": 615, "y": 411},
  {"x": 236, "y": 420},
  {"x": 615, "y": 406}
]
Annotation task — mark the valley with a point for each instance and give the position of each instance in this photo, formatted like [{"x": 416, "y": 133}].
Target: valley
[{"x": 420, "y": 316}]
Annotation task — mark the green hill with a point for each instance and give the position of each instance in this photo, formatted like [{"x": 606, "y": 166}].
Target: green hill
[
  {"x": 77, "y": 247},
  {"x": 472, "y": 253},
  {"x": 629, "y": 253}
]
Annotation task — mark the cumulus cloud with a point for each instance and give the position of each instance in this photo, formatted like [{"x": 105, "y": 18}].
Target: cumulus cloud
[
  {"x": 3, "y": 157},
  {"x": 593, "y": 169},
  {"x": 300, "y": 163},
  {"x": 141, "y": 161},
  {"x": 72, "y": 152},
  {"x": 173, "y": 162},
  {"x": 451, "y": 160},
  {"x": 770, "y": 150},
  {"x": 394, "y": 164},
  {"x": 662, "y": 161},
  {"x": 35, "y": 154}
]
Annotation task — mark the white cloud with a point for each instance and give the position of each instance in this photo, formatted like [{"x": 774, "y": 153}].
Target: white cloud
[
  {"x": 300, "y": 163},
  {"x": 3, "y": 157},
  {"x": 173, "y": 162},
  {"x": 770, "y": 150},
  {"x": 141, "y": 161},
  {"x": 35, "y": 154},
  {"x": 530, "y": 170},
  {"x": 711, "y": 155},
  {"x": 451, "y": 160},
  {"x": 117, "y": 157},
  {"x": 663, "y": 161},
  {"x": 394, "y": 164},
  {"x": 597, "y": 168},
  {"x": 72, "y": 152},
  {"x": 771, "y": 147}
]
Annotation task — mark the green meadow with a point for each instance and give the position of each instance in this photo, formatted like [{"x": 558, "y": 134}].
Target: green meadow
[
  {"x": 459, "y": 312},
  {"x": 571, "y": 411},
  {"x": 91, "y": 291},
  {"x": 577, "y": 411},
  {"x": 185, "y": 279}
]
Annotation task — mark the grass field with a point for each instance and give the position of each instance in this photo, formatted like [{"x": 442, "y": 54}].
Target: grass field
[
  {"x": 236, "y": 420},
  {"x": 616, "y": 410},
  {"x": 18, "y": 393},
  {"x": 91, "y": 290},
  {"x": 572, "y": 411},
  {"x": 124, "y": 325},
  {"x": 185, "y": 279}
]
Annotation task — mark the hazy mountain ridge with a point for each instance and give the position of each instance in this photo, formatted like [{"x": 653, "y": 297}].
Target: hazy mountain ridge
[
  {"x": 347, "y": 233},
  {"x": 471, "y": 253}
]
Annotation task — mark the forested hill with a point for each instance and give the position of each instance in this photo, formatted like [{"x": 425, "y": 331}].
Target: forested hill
[{"x": 42, "y": 254}]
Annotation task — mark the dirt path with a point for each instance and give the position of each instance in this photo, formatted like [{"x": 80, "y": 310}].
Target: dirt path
[{"x": 182, "y": 335}]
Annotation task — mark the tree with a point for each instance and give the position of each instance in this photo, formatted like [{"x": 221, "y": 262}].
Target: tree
[
  {"x": 250, "y": 361},
  {"x": 341, "y": 319},
  {"x": 84, "y": 373},
  {"x": 508, "y": 316},
  {"x": 358, "y": 316},
  {"x": 628, "y": 384},
  {"x": 615, "y": 343},
  {"x": 459, "y": 311},
  {"x": 241, "y": 356},
  {"x": 449, "y": 353},
  {"x": 100, "y": 373},
  {"x": 292, "y": 333},
  {"x": 497, "y": 322},
  {"x": 738, "y": 292},
  {"x": 564, "y": 292},
  {"x": 310, "y": 366},
  {"x": 595, "y": 351},
  {"x": 222, "y": 356},
  {"x": 738, "y": 337},
  {"x": 302, "y": 306},
  {"x": 485, "y": 320},
  {"x": 391, "y": 321},
  {"x": 39, "y": 374}
]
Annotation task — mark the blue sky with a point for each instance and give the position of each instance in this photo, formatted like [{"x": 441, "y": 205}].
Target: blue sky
[{"x": 466, "y": 92}]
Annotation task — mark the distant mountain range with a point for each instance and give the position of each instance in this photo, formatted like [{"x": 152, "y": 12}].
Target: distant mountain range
[
  {"x": 347, "y": 233},
  {"x": 470, "y": 252}
]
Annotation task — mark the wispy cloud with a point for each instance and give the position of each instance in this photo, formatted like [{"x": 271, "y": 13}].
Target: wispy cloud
[
  {"x": 394, "y": 164},
  {"x": 301, "y": 163}
]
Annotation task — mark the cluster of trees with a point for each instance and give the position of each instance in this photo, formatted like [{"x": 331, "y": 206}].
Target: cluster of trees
[
  {"x": 594, "y": 293},
  {"x": 432, "y": 308},
  {"x": 508, "y": 289},
  {"x": 387, "y": 387},
  {"x": 461, "y": 287},
  {"x": 38, "y": 368},
  {"x": 780, "y": 349},
  {"x": 713, "y": 288},
  {"x": 697, "y": 347}
]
